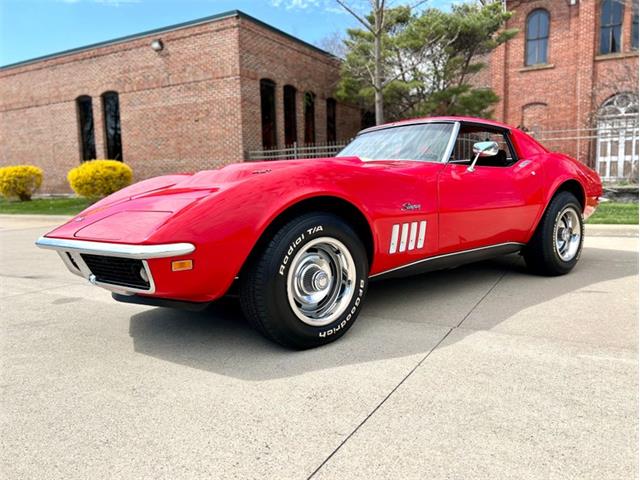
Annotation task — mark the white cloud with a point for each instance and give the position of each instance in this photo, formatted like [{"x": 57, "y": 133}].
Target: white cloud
[
  {"x": 296, "y": 4},
  {"x": 362, "y": 6},
  {"x": 330, "y": 6}
]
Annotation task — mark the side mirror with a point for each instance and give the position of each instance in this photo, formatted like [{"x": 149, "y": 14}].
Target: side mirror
[{"x": 483, "y": 149}]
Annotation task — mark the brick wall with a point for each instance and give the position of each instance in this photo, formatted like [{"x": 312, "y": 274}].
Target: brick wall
[
  {"x": 567, "y": 91},
  {"x": 265, "y": 54},
  {"x": 194, "y": 105}
]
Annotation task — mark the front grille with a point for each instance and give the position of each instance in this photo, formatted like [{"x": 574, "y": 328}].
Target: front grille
[{"x": 116, "y": 270}]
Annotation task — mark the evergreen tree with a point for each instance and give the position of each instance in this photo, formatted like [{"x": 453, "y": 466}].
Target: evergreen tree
[{"x": 427, "y": 61}]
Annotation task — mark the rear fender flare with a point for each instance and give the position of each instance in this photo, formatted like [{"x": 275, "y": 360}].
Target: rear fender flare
[{"x": 562, "y": 183}]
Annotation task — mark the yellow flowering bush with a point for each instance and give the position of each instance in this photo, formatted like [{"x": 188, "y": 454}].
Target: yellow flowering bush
[
  {"x": 20, "y": 181},
  {"x": 98, "y": 178}
]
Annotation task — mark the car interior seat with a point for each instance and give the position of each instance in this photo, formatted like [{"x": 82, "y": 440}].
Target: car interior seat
[{"x": 498, "y": 160}]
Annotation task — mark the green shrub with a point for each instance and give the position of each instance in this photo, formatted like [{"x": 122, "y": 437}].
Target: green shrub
[
  {"x": 99, "y": 178},
  {"x": 20, "y": 181}
]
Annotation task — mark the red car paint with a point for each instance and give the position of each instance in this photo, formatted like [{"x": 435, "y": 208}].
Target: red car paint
[{"x": 224, "y": 212}]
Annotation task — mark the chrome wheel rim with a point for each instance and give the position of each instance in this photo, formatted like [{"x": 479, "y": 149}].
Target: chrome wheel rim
[
  {"x": 321, "y": 281},
  {"x": 567, "y": 234}
]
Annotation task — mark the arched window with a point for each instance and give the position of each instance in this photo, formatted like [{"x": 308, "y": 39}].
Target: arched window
[
  {"x": 537, "y": 37},
  {"x": 112, "y": 135},
  {"x": 84, "y": 107},
  {"x": 331, "y": 120},
  {"x": 309, "y": 117},
  {"x": 623, "y": 104},
  {"x": 268, "y": 113},
  {"x": 611, "y": 14},
  {"x": 290, "y": 120}
]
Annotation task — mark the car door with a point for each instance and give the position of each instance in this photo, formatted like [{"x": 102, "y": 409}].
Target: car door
[{"x": 495, "y": 203}]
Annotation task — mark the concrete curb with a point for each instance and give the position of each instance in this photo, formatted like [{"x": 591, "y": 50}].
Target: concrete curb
[
  {"x": 34, "y": 218},
  {"x": 611, "y": 230},
  {"x": 20, "y": 222}
]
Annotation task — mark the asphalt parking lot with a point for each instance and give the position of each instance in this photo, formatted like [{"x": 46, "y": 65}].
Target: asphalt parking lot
[{"x": 479, "y": 372}]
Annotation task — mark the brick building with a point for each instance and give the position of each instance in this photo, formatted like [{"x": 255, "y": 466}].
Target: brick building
[
  {"x": 187, "y": 97},
  {"x": 571, "y": 77}
]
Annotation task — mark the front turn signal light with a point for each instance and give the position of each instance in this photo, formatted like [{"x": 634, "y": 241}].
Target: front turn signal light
[{"x": 180, "y": 265}]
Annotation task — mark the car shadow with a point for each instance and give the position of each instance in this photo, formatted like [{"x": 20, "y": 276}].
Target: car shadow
[{"x": 402, "y": 317}]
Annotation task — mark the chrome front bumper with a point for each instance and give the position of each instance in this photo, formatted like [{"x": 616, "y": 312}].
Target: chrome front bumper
[{"x": 71, "y": 251}]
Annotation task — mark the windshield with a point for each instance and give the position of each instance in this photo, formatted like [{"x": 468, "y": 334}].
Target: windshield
[{"x": 426, "y": 142}]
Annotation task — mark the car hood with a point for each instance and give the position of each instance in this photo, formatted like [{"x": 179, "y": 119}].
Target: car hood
[{"x": 134, "y": 213}]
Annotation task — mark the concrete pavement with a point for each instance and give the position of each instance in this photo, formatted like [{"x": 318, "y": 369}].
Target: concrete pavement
[{"x": 479, "y": 372}]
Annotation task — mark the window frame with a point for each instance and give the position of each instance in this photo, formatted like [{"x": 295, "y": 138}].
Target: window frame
[
  {"x": 113, "y": 143},
  {"x": 634, "y": 25},
  {"x": 87, "y": 148},
  {"x": 506, "y": 134},
  {"x": 272, "y": 107},
  {"x": 309, "y": 119},
  {"x": 289, "y": 98},
  {"x": 610, "y": 27},
  {"x": 527, "y": 40}
]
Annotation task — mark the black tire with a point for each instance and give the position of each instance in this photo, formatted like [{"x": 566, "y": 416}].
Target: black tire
[
  {"x": 264, "y": 291},
  {"x": 541, "y": 254}
]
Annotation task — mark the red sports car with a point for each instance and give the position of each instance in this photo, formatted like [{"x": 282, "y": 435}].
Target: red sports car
[{"x": 302, "y": 238}]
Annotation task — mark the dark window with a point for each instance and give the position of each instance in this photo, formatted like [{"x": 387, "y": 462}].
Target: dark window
[
  {"x": 111, "y": 112},
  {"x": 611, "y": 26},
  {"x": 309, "y": 118},
  {"x": 331, "y": 120},
  {"x": 634, "y": 26},
  {"x": 470, "y": 134},
  {"x": 85, "y": 127},
  {"x": 537, "y": 45},
  {"x": 367, "y": 119},
  {"x": 290, "y": 120},
  {"x": 268, "y": 113}
]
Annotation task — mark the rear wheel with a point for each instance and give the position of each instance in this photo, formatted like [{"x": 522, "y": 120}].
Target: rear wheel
[
  {"x": 305, "y": 287},
  {"x": 557, "y": 243}
]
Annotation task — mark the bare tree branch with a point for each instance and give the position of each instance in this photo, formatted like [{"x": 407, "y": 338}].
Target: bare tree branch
[{"x": 361, "y": 19}]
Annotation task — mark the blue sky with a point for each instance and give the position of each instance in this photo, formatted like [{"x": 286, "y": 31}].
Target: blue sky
[{"x": 32, "y": 28}]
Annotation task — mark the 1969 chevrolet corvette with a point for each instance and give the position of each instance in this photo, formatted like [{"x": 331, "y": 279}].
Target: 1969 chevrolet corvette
[{"x": 302, "y": 238}]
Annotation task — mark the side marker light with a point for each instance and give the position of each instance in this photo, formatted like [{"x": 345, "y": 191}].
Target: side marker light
[{"x": 180, "y": 265}]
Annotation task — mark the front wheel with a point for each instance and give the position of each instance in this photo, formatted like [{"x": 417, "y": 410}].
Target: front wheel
[
  {"x": 557, "y": 243},
  {"x": 305, "y": 287}
]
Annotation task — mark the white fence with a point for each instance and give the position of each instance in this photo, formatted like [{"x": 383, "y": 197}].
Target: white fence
[
  {"x": 611, "y": 148},
  {"x": 298, "y": 151}
]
